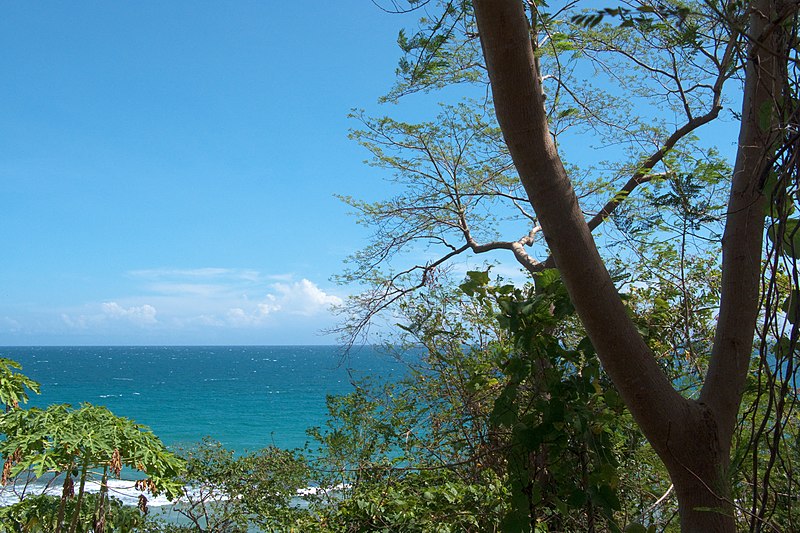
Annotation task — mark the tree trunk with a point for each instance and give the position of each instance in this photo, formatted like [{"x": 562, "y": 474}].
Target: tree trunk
[
  {"x": 697, "y": 461},
  {"x": 693, "y": 438},
  {"x": 73, "y": 526},
  {"x": 66, "y": 493}
]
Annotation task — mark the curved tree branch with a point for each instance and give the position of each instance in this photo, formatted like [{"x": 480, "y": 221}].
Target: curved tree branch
[{"x": 519, "y": 105}]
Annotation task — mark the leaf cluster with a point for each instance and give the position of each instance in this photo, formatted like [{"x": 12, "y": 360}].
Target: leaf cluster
[
  {"x": 227, "y": 493},
  {"x": 504, "y": 396},
  {"x": 14, "y": 386},
  {"x": 639, "y": 15},
  {"x": 38, "y": 514},
  {"x": 73, "y": 445},
  {"x": 555, "y": 411},
  {"x": 58, "y": 439}
]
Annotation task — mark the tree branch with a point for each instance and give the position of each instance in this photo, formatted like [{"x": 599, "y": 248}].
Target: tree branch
[
  {"x": 519, "y": 106},
  {"x": 744, "y": 227}
]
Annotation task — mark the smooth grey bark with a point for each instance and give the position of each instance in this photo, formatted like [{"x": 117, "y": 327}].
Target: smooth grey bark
[{"x": 693, "y": 438}]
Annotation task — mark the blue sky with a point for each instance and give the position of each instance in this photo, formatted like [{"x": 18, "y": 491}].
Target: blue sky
[{"x": 168, "y": 169}]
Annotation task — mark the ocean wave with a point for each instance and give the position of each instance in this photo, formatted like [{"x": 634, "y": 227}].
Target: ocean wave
[
  {"x": 122, "y": 489},
  {"x": 327, "y": 491},
  {"x": 125, "y": 491}
]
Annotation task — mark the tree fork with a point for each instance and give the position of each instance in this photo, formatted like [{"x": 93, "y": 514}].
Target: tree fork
[{"x": 693, "y": 438}]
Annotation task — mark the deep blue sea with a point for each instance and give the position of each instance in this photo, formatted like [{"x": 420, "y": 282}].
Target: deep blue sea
[{"x": 245, "y": 397}]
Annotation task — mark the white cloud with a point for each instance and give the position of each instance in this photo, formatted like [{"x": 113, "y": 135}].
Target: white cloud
[
  {"x": 239, "y": 317},
  {"x": 304, "y": 298},
  {"x": 196, "y": 273},
  {"x": 205, "y": 290},
  {"x": 143, "y": 314},
  {"x": 94, "y": 318},
  {"x": 269, "y": 305},
  {"x": 209, "y": 305},
  {"x": 75, "y": 322},
  {"x": 260, "y": 311}
]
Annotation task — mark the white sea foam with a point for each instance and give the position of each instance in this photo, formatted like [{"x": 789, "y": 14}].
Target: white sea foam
[
  {"x": 125, "y": 491},
  {"x": 122, "y": 489},
  {"x": 313, "y": 491}
]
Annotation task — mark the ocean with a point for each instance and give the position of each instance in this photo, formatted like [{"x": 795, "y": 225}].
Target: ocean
[{"x": 245, "y": 397}]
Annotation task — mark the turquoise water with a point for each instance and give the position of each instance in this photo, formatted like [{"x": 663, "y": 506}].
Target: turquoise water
[{"x": 245, "y": 397}]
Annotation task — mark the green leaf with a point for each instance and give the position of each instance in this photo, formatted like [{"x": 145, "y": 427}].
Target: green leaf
[
  {"x": 791, "y": 306},
  {"x": 475, "y": 279},
  {"x": 570, "y": 111},
  {"x": 545, "y": 280},
  {"x": 790, "y": 231}
]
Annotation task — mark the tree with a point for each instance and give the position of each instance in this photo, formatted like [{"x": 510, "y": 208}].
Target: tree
[
  {"x": 36, "y": 514},
  {"x": 79, "y": 444},
  {"x": 693, "y": 437},
  {"x": 503, "y": 423},
  {"x": 228, "y": 493},
  {"x": 13, "y": 384}
]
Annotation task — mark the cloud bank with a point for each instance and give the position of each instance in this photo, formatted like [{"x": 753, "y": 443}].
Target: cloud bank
[
  {"x": 210, "y": 303},
  {"x": 143, "y": 314}
]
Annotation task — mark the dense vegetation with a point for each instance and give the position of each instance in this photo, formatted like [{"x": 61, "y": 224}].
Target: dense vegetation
[
  {"x": 518, "y": 413},
  {"x": 506, "y": 416}
]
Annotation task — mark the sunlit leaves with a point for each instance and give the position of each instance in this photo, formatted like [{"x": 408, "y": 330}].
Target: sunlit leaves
[
  {"x": 552, "y": 409},
  {"x": 14, "y": 386},
  {"x": 81, "y": 443},
  {"x": 50, "y": 440},
  {"x": 443, "y": 50},
  {"x": 642, "y": 15},
  {"x": 785, "y": 235},
  {"x": 245, "y": 491}
]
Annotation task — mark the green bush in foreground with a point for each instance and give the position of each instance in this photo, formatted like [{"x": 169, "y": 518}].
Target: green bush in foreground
[
  {"x": 39, "y": 514},
  {"x": 82, "y": 444},
  {"x": 227, "y": 493}
]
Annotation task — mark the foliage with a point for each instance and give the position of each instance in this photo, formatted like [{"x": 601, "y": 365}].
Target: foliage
[
  {"x": 423, "y": 501},
  {"x": 13, "y": 384},
  {"x": 79, "y": 444},
  {"x": 229, "y": 493},
  {"x": 767, "y": 450},
  {"x": 454, "y": 192},
  {"x": 437, "y": 55},
  {"x": 506, "y": 421},
  {"x": 767, "y": 445},
  {"x": 38, "y": 514},
  {"x": 555, "y": 411},
  {"x": 400, "y": 476},
  {"x": 643, "y": 14},
  {"x": 507, "y": 398}
]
